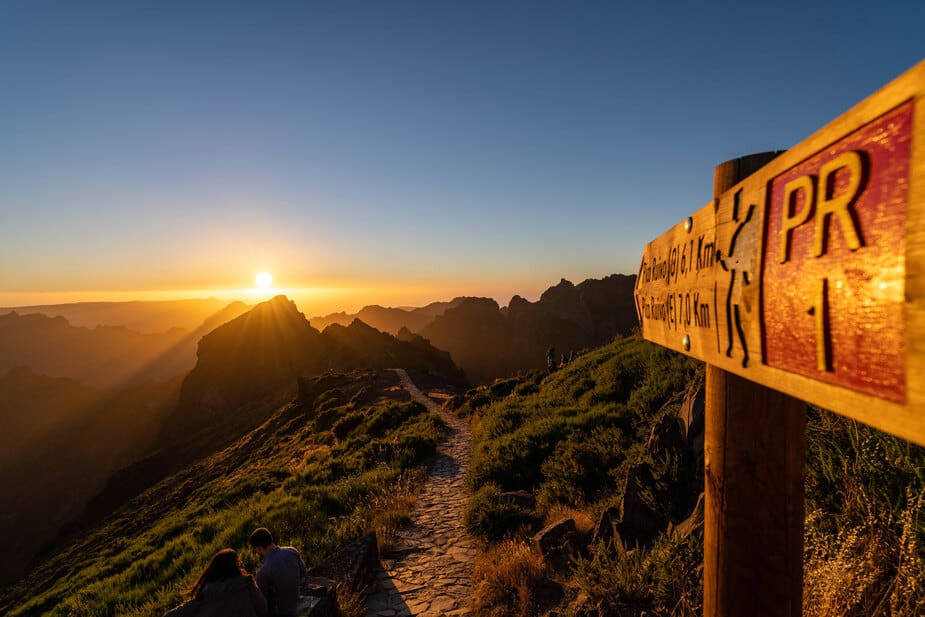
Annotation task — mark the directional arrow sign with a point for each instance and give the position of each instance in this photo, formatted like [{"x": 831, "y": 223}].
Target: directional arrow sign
[{"x": 809, "y": 276}]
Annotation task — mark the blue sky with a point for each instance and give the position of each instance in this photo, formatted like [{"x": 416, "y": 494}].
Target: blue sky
[{"x": 417, "y": 150}]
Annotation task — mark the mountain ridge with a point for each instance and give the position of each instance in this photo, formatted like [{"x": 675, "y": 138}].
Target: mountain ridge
[
  {"x": 490, "y": 342},
  {"x": 142, "y": 316},
  {"x": 110, "y": 356}
]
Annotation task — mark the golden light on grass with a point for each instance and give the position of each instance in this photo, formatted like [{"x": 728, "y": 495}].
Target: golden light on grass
[{"x": 263, "y": 280}]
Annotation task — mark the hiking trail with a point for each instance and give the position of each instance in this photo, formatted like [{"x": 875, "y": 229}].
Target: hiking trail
[{"x": 429, "y": 572}]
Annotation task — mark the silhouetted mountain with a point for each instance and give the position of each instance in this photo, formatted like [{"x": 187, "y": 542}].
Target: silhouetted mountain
[
  {"x": 262, "y": 352},
  {"x": 141, "y": 316},
  {"x": 251, "y": 356},
  {"x": 489, "y": 342},
  {"x": 390, "y": 320},
  {"x": 360, "y": 345},
  {"x": 107, "y": 356},
  {"x": 60, "y": 442},
  {"x": 603, "y": 307}
]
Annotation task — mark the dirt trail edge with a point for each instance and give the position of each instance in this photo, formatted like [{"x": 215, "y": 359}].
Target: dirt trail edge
[{"x": 429, "y": 572}]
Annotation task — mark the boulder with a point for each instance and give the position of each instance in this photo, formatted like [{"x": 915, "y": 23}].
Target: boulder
[
  {"x": 692, "y": 412},
  {"x": 693, "y": 522},
  {"x": 320, "y": 594},
  {"x": 353, "y": 564},
  {"x": 555, "y": 542},
  {"x": 605, "y": 529},
  {"x": 667, "y": 437},
  {"x": 638, "y": 524},
  {"x": 522, "y": 499}
]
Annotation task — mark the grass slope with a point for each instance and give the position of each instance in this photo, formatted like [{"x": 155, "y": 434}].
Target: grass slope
[
  {"x": 318, "y": 473},
  {"x": 571, "y": 437}
]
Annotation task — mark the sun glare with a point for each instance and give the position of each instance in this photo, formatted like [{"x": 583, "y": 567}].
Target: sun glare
[{"x": 264, "y": 280}]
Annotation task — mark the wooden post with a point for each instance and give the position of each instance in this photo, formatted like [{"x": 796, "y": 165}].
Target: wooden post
[{"x": 754, "y": 458}]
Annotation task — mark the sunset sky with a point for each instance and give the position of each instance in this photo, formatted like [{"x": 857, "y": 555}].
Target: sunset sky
[{"x": 394, "y": 152}]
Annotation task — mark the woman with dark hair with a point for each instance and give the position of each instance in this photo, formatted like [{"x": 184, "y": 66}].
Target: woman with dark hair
[{"x": 223, "y": 589}]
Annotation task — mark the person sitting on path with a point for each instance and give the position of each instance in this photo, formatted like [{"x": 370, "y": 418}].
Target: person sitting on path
[
  {"x": 224, "y": 589},
  {"x": 280, "y": 577}
]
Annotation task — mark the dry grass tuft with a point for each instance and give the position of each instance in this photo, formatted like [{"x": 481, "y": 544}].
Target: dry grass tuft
[
  {"x": 867, "y": 569},
  {"x": 844, "y": 574},
  {"x": 583, "y": 522},
  {"x": 351, "y": 602},
  {"x": 907, "y": 594},
  {"x": 507, "y": 577},
  {"x": 391, "y": 509}
]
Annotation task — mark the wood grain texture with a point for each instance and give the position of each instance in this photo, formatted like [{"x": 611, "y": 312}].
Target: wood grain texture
[
  {"x": 754, "y": 452},
  {"x": 837, "y": 222}
]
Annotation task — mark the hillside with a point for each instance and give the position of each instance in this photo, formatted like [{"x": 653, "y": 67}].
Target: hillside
[
  {"x": 614, "y": 442},
  {"x": 320, "y": 470},
  {"x": 587, "y": 493},
  {"x": 245, "y": 370},
  {"x": 61, "y": 441}
]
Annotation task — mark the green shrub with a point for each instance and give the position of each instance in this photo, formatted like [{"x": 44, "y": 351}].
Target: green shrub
[
  {"x": 478, "y": 400},
  {"x": 664, "y": 579},
  {"x": 490, "y": 518},
  {"x": 345, "y": 425},
  {"x": 581, "y": 468},
  {"x": 526, "y": 389},
  {"x": 502, "y": 387}
]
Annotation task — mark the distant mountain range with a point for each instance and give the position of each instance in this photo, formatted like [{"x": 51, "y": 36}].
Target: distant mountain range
[
  {"x": 484, "y": 339},
  {"x": 387, "y": 319},
  {"x": 104, "y": 356},
  {"x": 145, "y": 317},
  {"x": 488, "y": 341}
]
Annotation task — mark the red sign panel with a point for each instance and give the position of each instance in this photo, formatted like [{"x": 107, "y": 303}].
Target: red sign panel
[{"x": 833, "y": 268}]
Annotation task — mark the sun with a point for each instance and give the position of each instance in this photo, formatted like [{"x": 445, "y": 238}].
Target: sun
[{"x": 264, "y": 280}]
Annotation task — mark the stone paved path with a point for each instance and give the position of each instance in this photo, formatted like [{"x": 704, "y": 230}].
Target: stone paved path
[{"x": 429, "y": 572}]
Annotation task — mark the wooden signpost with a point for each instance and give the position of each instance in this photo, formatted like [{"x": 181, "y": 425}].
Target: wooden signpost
[{"x": 803, "y": 281}]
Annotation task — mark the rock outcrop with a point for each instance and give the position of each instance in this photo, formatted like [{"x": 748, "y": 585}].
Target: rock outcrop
[
  {"x": 488, "y": 342},
  {"x": 556, "y": 542},
  {"x": 678, "y": 435}
]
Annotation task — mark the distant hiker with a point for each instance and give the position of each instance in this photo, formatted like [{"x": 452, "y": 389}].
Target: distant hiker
[
  {"x": 571, "y": 356},
  {"x": 280, "y": 576},
  {"x": 563, "y": 361},
  {"x": 551, "y": 359},
  {"x": 224, "y": 589}
]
